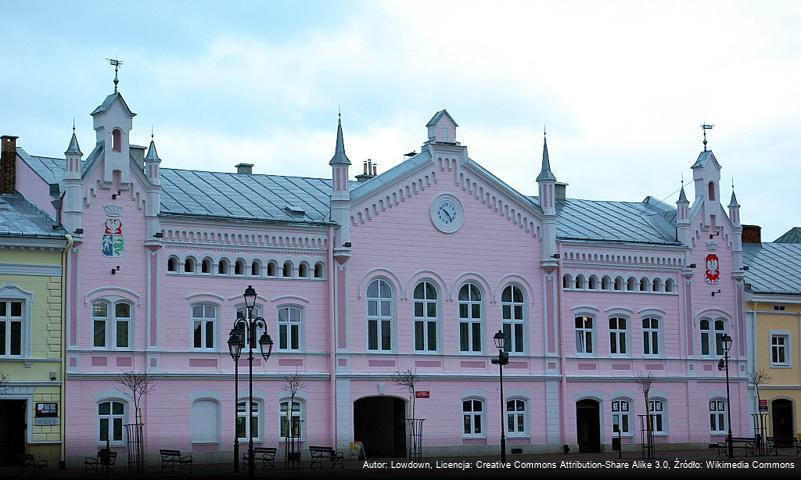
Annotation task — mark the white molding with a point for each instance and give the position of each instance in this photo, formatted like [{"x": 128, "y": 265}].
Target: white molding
[
  {"x": 43, "y": 270},
  {"x": 96, "y": 293}
]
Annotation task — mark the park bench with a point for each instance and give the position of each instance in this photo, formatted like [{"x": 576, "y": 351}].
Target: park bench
[
  {"x": 775, "y": 443},
  {"x": 102, "y": 464},
  {"x": 265, "y": 455},
  {"x": 320, "y": 454},
  {"x": 173, "y": 458},
  {"x": 746, "y": 443},
  {"x": 32, "y": 468}
]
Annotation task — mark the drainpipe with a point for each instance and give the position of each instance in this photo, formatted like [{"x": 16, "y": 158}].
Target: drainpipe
[
  {"x": 62, "y": 463},
  {"x": 332, "y": 334}
]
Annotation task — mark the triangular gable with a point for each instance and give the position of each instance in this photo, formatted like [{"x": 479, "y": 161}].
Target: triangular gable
[
  {"x": 437, "y": 116},
  {"x": 109, "y": 101},
  {"x": 705, "y": 157}
]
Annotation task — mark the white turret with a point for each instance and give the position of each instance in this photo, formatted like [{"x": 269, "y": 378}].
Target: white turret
[
  {"x": 340, "y": 198},
  {"x": 546, "y": 182},
  {"x": 112, "y": 124},
  {"x": 72, "y": 208}
]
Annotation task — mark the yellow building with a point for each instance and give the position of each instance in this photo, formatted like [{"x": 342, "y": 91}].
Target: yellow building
[
  {"x": 773, "y": 321},
  {"x": 31, "y": 328}
]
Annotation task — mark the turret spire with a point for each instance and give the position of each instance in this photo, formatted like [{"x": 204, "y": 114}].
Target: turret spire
[
  {"x": 152, "y": 154},
  {"x": 73, "y": 148},
  {"x": 339, "y": 157},
  {"x": 545, "y": 171}
]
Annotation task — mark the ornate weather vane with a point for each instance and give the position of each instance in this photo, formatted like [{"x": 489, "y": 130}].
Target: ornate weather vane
[
  {"x": 116, "y": 64},
  {"x": 706, "y": 127}
]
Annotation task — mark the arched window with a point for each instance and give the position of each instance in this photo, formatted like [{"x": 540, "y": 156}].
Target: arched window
[
  {"x": 618, "y": 283},
  {"x": 657, "y": 285},
  {"x": 205, "y": 421},
  {"x": 717, "y": 417},
  {"x": 11, "y": 322},
  {"x": 425, "y": 317},
  {"x": 288, "y": 269},
  {"x": 470, "y": 316},
  {"x": 172, "y": 264},
  {"x": 206, "y": 265},
  {"x": 657, "y": 412},
  {"x": 116, "y": 140},
  {"x": 580, "y": 282},
  {"x": 631, "y": 284},
  {"x": 204, "y": 317},
  {"x": 513, "y": 311},
  {"x": 621, "y": 416},
  {"x": 379, "y": 316},
  {"x": 111, "y": 324},
  {"x": 303, "y": 270},
  {"x": 592, "y": 284},
  {"x": 110, "y": 419},
  {"x": 255, "y": 268},
  {"x": 239, "y": 267},
  {"x": 289, "y": 323},
  {"x": 644, "y": 284},
  {"x": 243, "y": 427},
  {"x": 567, "y": 281},
  {"x": 618, "y": 336},
  {"x": 584, "y": 334},
  {"x": 223, "y": 266},
  {"x": 318, "y": 270},
  {"x": 272, "y": 268},
  {"x": 606, "y": 283},
  {"x": 669, "y": 285},
  {"x": 473, "y": 415},
  {"x": 189, "y": 265},
  {"x": 650, "y": 336},
  {"x": 516, "y": 417},
  {"x": 711, "y": 190},
  {"x": 293, "y": 418}
]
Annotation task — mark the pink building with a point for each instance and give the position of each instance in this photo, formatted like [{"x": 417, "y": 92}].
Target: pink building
[{"x": 415, "y": 268}]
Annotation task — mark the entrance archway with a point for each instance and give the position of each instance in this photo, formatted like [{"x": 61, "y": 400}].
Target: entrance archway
[
  {"x": 588, "y": 425},
  {"x": 380, "y": 424},
  {"x": 782, "y": 416}
]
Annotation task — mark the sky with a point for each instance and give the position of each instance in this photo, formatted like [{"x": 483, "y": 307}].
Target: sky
[{"x": 623, "y": 87}]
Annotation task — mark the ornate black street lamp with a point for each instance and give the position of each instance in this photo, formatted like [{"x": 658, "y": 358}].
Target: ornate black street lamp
[
  {"x": 236, "y": 339},
  {"x": 501, "y": 360},
  {"x": 236, "y": 342},
  {"x": 726, "y": 341}
]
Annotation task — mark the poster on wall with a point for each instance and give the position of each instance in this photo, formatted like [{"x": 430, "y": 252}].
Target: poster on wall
[
  {"x": 712, "y": 273},
  {"x": 113, "y": 243}
]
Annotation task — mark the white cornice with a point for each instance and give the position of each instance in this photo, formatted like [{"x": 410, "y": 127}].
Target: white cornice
[{"x": 41, "y": 270}]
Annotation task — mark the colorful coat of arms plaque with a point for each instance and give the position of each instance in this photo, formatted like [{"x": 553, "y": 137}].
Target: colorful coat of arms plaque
[
  {"x": 712, "y": 272},
  {"x": 113, "y": 243}
]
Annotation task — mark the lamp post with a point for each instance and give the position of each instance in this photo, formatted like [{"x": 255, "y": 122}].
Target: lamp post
[
  {"x": 236, "y": 342},
  {"x": 501, "y": 360},
  {"x": 726, "y": 341}
]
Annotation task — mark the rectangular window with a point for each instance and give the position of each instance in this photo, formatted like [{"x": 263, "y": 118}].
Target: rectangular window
[
  {"x": 778, "y": 350},
  {"x": 584, "y": 335},
  {"x": 717, "y": 416},
  {"x": 99, "y": 333},
  {"x": 11, "y": 328},
  {"x": 650, "y": 336},
  {"x": 620, "y": 416},
  {"x": 203, "y": 328},
  {"x": 372, "y": 334},
  {"x": 656, "y": 408},
  {"x": 617, "y": 336}
]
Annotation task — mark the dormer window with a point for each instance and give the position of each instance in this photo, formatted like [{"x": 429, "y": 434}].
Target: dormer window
[
  {"x": 711, "y": 188},
  {"x": 116, "y": 140}
]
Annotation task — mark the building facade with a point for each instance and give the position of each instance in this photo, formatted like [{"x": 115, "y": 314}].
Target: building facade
[
  {"x": 773, "y": 320},
  {"x": 31, "y": 325},
  {"x": 415, "y": 268}
]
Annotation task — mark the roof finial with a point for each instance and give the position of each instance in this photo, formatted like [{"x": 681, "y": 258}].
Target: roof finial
[
  {"x": 73, "y": 124},
  {"x": 706, "y": 127},
  {"x": 116, "y": 64},
  {"x": 151, "y": 132}
]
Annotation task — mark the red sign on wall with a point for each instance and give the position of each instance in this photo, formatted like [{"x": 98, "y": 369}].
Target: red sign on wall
[
  {"x": 763, "y": 406},
  {"x": 422, "y": 394}
]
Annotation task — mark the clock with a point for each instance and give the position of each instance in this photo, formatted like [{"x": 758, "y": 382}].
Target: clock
[{"x": 447, "y": 213}]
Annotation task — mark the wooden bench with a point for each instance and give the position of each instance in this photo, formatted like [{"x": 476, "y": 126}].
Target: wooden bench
[
  {"x": 775, "y": 443},
  {"x": 265, "y": 455},
  {"x": 32, "y": 468},
  {"x": 319, "y": 454},
  {"x": 746, "y": 443},
  {"x": 173, "y": 458},
  {"x": 102, "y": 464}
]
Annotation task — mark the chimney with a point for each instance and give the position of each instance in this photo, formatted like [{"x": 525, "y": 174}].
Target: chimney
[
  {"x": 561, "y": 191},
  {"x": 752, "y": 234},
  {"x": 370, "y": 171},
  {"x": 8, "y": 165},
  {"x": 244, "y": 168}
]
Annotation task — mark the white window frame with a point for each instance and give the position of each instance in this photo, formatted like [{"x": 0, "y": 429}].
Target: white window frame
[
  {"x": 787, "y": 347},
  {"x": 619, "y": 333},
  {"x": 287, "y": 324},
  {"x": 713, "y": 336},
  {"x": 258, "y": 311},
  {"x": 658, "y": 413},
  {"x": 513, "y": 315},
  {"x": 475, "y": 418},
  {"x": 111, "y": 417},
  {"x": 582, "y": 332},
  {"x": 717, "y": 416},
  {"x": 621, "y": 415},
  {"x": 242, "y": 415},
  {"x": 652, "y": 336},
  {"x": 301, "y": 414},
  {"x": 426, "y": 320},
  {"x": 515, "y": 415},
  {"x": 215, "y": 321},
  {"x": 381, "y": 318},
  {"x": 112, "y": 323},
  {"x": 470, "y": 321},
  {"x": 7, "y": 320}
]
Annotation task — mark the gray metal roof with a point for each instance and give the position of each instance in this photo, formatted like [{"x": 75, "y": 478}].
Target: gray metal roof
[
  {"x": 545, "y": 171},
  {"x": 73, "y": 148},
  {"x": 103, "y": 107},
  {"x": 339, "y": 157},
  {"x": 773, "y": 267},
  {"x": 791, "y": 236},
  {"x": 439, "y": 115},
  {"x": 704, "y": 157},
  {"x": 20, "y": 218}
]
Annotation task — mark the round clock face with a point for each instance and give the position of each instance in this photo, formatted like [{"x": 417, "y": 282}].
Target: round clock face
[{"x": 447, "y": 213}]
